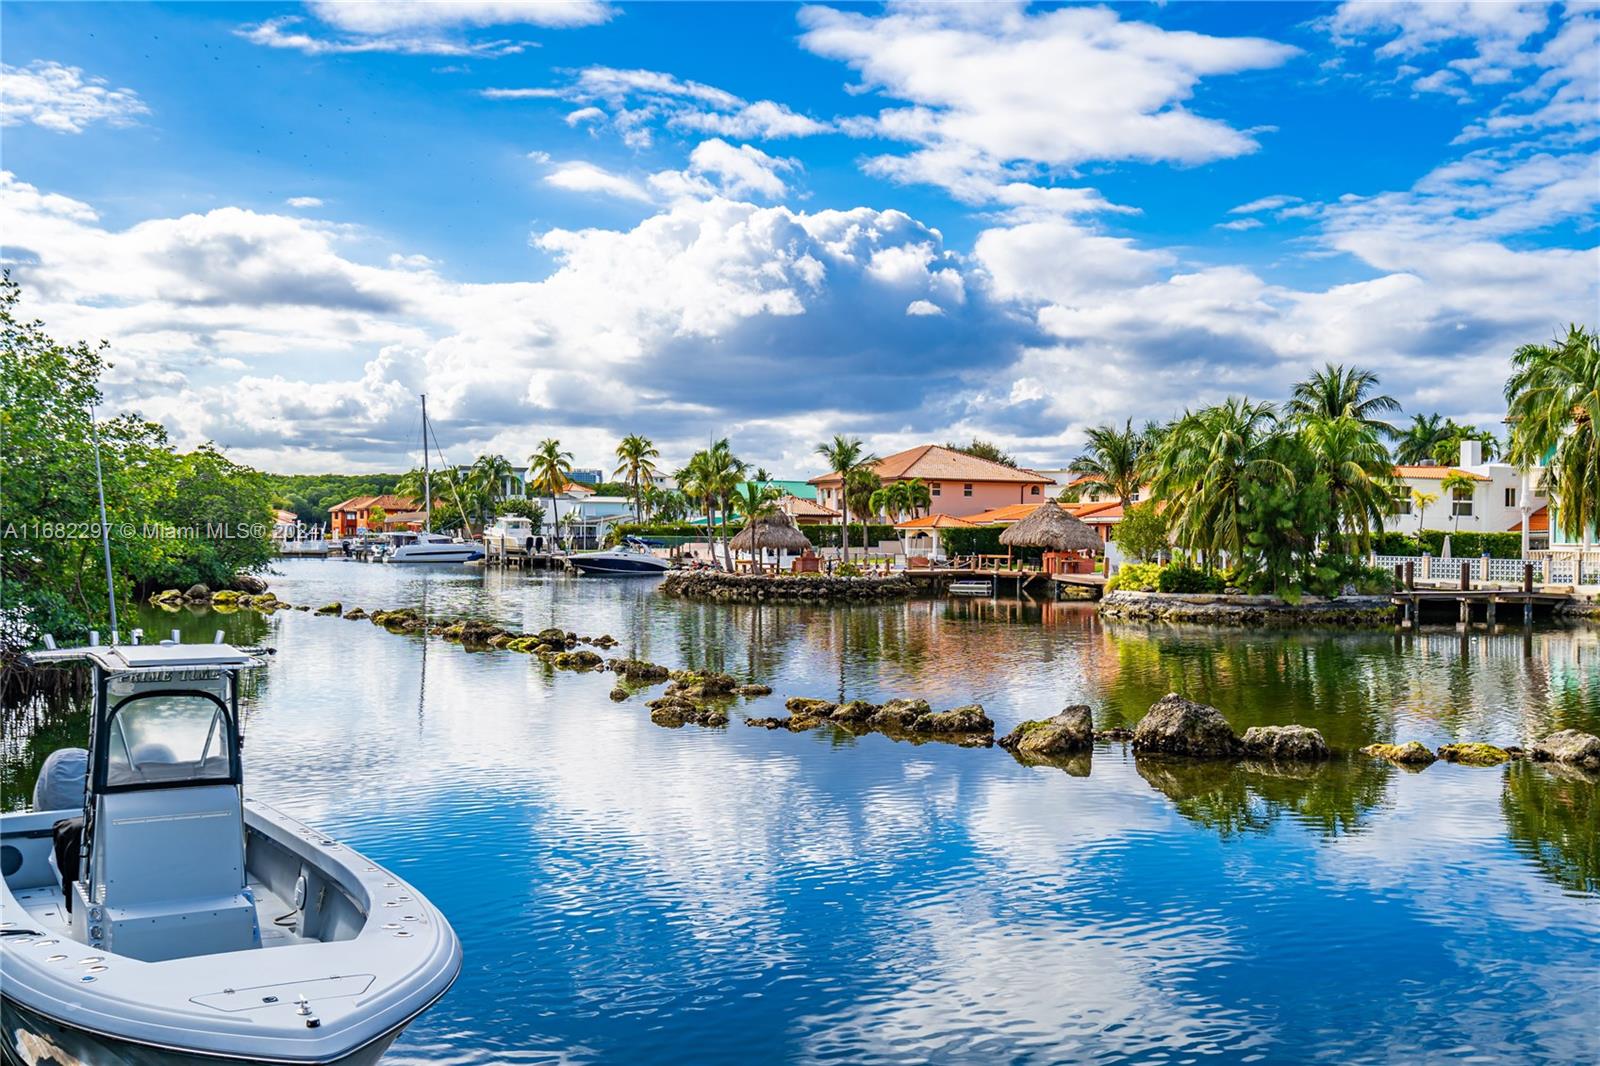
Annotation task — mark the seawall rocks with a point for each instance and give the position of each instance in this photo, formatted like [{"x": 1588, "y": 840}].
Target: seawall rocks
[
  {"x": 796, "y": 588},
  {"x": 1252, "y": 611}
]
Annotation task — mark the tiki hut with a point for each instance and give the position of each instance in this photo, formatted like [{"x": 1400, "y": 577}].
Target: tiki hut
[
  {"x": 1054, "y": 530},
  {"x": 771, "y": 532}
]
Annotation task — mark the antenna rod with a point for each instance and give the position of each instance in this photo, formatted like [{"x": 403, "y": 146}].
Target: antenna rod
[
  {"x": 427, "y": 485},
  {"x": 105, "y": 525}
]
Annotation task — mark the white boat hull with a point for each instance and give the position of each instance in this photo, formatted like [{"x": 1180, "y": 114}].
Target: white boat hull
[
  {"x": 619, "y": 563},
  {"x": 435, "y": 553},
  {"x": 385, "y": 955}
]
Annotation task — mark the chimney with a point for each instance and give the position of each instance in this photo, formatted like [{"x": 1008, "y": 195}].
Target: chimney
[{"x": 1471, "y": 452}]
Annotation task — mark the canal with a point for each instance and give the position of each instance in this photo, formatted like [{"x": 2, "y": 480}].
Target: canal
[{"x": 628, "y": 893}]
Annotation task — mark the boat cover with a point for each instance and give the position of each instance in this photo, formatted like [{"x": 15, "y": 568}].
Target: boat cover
[{"x": 62, "y": 781}]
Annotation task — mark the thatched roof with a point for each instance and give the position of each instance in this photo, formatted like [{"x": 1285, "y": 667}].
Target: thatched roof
[
  {"x": 778, "y": 532},
  {"x": 1053, "y": 529}
]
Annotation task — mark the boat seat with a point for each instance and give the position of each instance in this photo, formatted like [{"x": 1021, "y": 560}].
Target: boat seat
[{"x": 68, "y": 841}]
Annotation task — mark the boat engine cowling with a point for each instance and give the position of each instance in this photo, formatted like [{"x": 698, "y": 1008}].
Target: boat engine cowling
[{"x": 62, "y": 780}]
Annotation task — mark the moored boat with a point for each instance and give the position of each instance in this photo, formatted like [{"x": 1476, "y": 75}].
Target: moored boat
[
  {"x": 425, "y": 547},
  {"x": 151, "y": 913},
  {"x": 631, "y": 558}
]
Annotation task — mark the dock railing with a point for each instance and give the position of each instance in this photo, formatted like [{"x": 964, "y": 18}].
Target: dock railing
[{"x": 1508, "y": 571}]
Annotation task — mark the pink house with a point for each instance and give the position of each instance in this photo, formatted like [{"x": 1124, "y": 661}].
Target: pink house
[{"x": 958, "y": 484}]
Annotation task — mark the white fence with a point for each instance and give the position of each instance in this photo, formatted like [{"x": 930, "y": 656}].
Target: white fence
[
  {"x": 1571, "y": 566},
  {"x": 1428, "y": 568}
]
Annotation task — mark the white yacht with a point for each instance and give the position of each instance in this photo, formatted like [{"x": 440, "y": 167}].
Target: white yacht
[
  {"x": 305, "y": 543},
  {"x": 631, "y": 558},
  {"x": 424, "y": 547},
  {"x": 151, "y": 913},
  {"x": 512, "y": 534}
]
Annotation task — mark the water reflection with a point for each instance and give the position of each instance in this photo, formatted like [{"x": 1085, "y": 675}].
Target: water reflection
[
  {"x": 1553, "y": 813},
  {"x": 1250, "y": 796}
]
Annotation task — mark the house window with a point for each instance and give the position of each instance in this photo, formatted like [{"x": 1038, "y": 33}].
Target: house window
[
  {"x": 933, "y": 488},
  {"x": 966, "y": 490},
  {"x": 1461, "y": 503},
  {"x": 1034, "y": 493},
  {"x": 1402, "y": 501},
  {"x": 1511, "y": 498},
  {"x": 1135, "y": 497}
]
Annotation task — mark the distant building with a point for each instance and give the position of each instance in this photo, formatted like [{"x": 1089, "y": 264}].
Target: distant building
[
  {"x": 587, "y": 476},
  {"x": 352, "y": 517},
  {"x": 958, "y": 484}
]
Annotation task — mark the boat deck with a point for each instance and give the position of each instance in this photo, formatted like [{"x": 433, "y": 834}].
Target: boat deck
[{"x": 45, "y": 906}]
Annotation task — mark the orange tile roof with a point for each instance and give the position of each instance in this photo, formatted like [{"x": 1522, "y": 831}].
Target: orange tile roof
[
  {"x": 1014, "y": 512},
  {"x": 1538, "y": 521},
  {"x": 798, "y": 507},
  {"x": 934, "y": 462},
  {"x": 1434, "y": 473},
  {"x": 1105, "y": 511},
  {"x": 935, "y": 521},
  {"x": 366, "y": 503}
]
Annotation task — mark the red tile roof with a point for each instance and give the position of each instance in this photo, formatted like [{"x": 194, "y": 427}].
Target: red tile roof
[
  {"x": 1434, "y": 473},
  {"x": 935, "y": 521},
  {"x": 934, "y": 462},
  {"x": 389, "y": 503},
  {"x": 1538, "y": 521},
  {"x": 1006, "y": 515}
]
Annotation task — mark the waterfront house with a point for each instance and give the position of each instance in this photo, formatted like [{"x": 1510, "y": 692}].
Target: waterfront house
[
  {"x": 958, "y": 484},
  {"x": 351, "y": 518},
  {"x": 806, "y": 511},
  {"x": 1500, "y": 500},
  {"x": 920, "y": 536}
]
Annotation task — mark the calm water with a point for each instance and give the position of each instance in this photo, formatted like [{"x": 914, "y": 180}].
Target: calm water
[{"x": 627, "y": 893}]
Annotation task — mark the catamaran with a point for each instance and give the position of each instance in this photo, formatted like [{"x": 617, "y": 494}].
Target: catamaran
[
  {"x": 151, "y": 912},
  {"x": 427, "y": 546}
]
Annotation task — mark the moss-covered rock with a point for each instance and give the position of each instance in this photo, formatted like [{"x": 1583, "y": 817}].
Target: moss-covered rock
[
  {"x": 754, "y": 690},
  {"x": 675, "y": 711},
  {"x": 1474, "y": 754},
  {"x": 355, "y": 613},
  {"x": 809, "y": 706},
  {"x": 638, "y": 670},
  {"x": 1176, "y": 726},
  {"x": 1411, "y": 753},
  {"x": 970, "y": 719},
  {"x": 618, "y": 694},
  {"x": 1570, "y": 748},
  {"x": 582, "y": 659},
  {"x": 1071, "y": 730},
  {"x": 1290, "y": 743},
  {"x": 898, "y": 714},
  {"x": 523, "y": 644},
  {"x": 853, "y": 712},
  {"x": 331, "y": 608},
  {"x": 166, "y": 596}
]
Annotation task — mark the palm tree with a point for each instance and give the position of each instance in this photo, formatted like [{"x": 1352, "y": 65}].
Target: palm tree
[
  {"x": 549, "y": 471},
  {"x": 486, "y": 481},
  {"x": 1337, "y": 391},
  {"x": 635, "y": 454},
  {"x": 844, "y": 455},
  {"x": 1553, "y": 400},
  {"x": 756, "y": 500},
  {"x": 1423, "y": 500},
  {"x": 1417, "y": 443},
  {"x": 726, "y": 472},
  {"x": 1457, "y": 481},
  {"x": 891, "y": 500},
  {"x": 695, "y": 485},
  {"x": 1349, "y": 457},
  {"x": 1205, "y": 464},
  {"x": 859, "y": 486},
  {"x": 1113, "y": 462},
  {"x": 918, "y": 498}
]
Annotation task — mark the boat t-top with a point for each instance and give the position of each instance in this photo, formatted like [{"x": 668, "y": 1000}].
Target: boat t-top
[
  {"x": 632, "y": 557},
  {"x": 151, "y": 913}
]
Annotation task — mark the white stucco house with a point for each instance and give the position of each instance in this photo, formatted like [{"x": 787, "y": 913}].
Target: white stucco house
[{"x": 1502, "y": 498}]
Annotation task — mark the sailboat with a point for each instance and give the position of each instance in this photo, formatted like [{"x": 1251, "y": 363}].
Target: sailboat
[{"x": 426, "y": 546}]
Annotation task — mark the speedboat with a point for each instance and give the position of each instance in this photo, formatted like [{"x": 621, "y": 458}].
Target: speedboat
[
  {"x": 424, "y": 547},
  {"x": 630, "y": 558},
  {"x": 151, "y": 913},
  {"x": 512, "y": 534}
]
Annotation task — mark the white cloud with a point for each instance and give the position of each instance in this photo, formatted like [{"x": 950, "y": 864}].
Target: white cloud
[
  {"x": 61, "y": 98},
  {"x": 1241, "y": 224},
  {"x": 740, "y": 171},
  {"x": 585, "y": 114},
  {"x": 763, "y": 120},
  {"x": 303, "y": 201},
  {"x": 421, "y": 27},
  {"x": 997, "y": 94},
  {"x": 1266, "y": 203},
  {"x": 918, "y": 308},
  {"x": 587, "y": 177},
  {"x": 1416, "y": 28}
]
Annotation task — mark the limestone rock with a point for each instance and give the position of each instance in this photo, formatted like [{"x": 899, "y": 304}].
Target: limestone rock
[
  {"x": 355, "y": 613},
  {"x": 249, "y": 583},
  {"x": 1176, "y": 726},
  {"x": 809, "y": 707},
  {"x": 1474, "y": 754},
  {"x": 675, "y": 711},
  {"x": 899, "y": 713},
  {"x": 331, "y": 608},
  {"x": 968, "y": 719},
  {"x": 197, "y": 592},
  {"x": 583, "y": 659},
  {"x": 618, "y": 694},
  {"x": 853, "y": 712},
  {"x": 1061, "y": 734},
  {"x": 640, "y": 670},
  {"x": 754, "y": 690},
  {"x": 1286, "y": 742},
  {"x": 1411, "y": 753},
  {"x": 1568, "y": 747}
]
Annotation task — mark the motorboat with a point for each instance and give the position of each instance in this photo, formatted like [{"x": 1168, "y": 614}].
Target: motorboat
[
  {"x": 151, "y": 913},
  {"x": 305, "y": 543},
  {"x": 631, "y": 558},
  {"x": 425, "y": 547},
  {"x": 512, "y": 534}
]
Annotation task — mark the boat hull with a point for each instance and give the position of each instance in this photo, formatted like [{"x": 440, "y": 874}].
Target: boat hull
[
  {"x": 31, "y": 1039},
  {"x": 619, "y": 565},
  {"x": 463, "y": 554}
]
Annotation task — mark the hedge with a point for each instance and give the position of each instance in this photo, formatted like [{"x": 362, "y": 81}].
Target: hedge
[
  {"x": 827, "y": 536},
  {"x": 1462, "y": 545}
]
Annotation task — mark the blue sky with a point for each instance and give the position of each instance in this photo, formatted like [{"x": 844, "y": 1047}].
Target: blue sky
[{"x": 777, "y": 222}]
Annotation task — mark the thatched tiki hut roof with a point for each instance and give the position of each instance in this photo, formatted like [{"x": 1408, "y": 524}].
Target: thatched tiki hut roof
[
  {"x": 777, "y": 533},
  {"x": 1051, "y": 528}
]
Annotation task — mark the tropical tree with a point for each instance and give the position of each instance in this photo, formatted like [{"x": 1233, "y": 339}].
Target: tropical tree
[
  {"x": 983, "y": 449},
  {"x": 1355, "y": 473},
  {"x": 1422, "y": 501},
  {"x": 694, "y": 484},
  {"x": 1337, "y": 391},
  {"x": 1457, "y": 481},
  {"x": 843, "y": 455},
  {"x": 859, "y": 486},
  {"x": 917, "y": 496},
  {"x": 376, "y": 517},
  {"x": 892, "y": 500},
  {"x": 1416, "y": 443},
  {"x": 1113, "y": 461},
  {"x": 486, "y": 479},
  {"x": 1553, "y": 399},
  {"x": 1143, "y": 532},
  {"x": 725, "y": 472},
  {"x": 635, "y": 455},
  {"x": 756, "y": 500},
  {"x": 1448, "y": 450},
  {"x": 549, "y": 471},
  {"x": 1206, "y": 464}
]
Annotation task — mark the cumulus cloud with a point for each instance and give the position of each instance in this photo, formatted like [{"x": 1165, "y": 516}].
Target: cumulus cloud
[
  {"x": 1265, "y": 203},
  {"x": 420, "y": 27},
  {"x": 57, "y": 97},
  {"x": 304, "y": 201},
  {"x": 589, "y": 178},
  {"x": 1241, "y": 224},
  {"x": 995, "y": 91}
]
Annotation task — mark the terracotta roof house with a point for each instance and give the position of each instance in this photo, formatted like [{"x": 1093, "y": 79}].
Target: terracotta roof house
[
  {"x": 347, "y": 518},
  {"x": 806, "y": 512},
  {"x": 958, "y": 484}
]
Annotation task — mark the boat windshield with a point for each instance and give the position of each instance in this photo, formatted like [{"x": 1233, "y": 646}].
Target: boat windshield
[{"x": 168, "y": 738}]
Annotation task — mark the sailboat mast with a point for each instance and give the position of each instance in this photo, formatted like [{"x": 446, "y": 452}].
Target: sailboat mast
[{"x": 427, "y": 485}]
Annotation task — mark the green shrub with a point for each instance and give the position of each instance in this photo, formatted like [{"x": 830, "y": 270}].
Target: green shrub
[
  {"x": 1330, "y": 574},
  {"x": 1181, "y": 578},
  {"x": 1135, "y": 577},
  {"x": 827, "y": 536},
  {"x": 1462, "y": 545}
]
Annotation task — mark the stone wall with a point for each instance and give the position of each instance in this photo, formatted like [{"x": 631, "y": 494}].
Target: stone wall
[
  {"x": 1257, "y": 611},
  {"x": 783, "y": 588}
]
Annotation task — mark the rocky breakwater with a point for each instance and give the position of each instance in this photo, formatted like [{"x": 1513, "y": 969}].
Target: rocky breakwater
[
  {"x": 899, "y": 719},
  {"x": 784, "y": 588},
  {"x": 1247, "y": 611}
]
